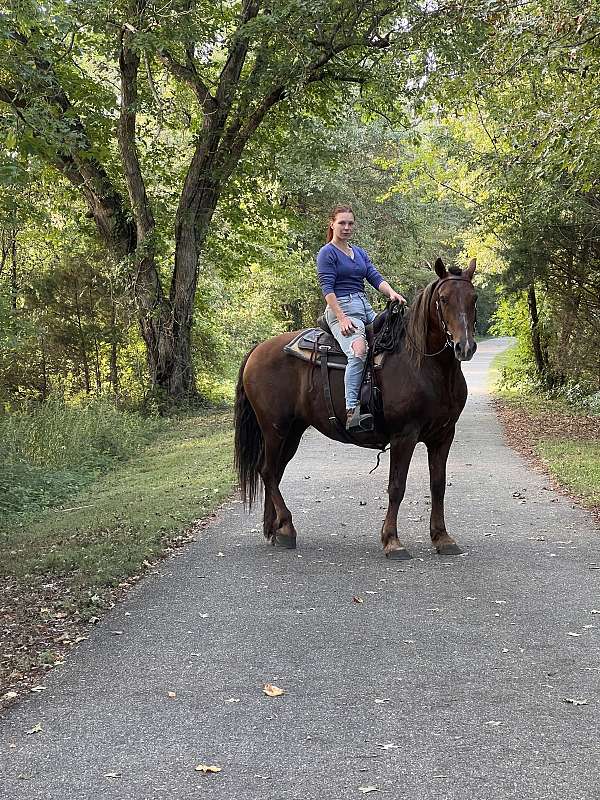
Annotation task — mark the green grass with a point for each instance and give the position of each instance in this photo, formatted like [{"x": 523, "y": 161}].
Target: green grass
[
  {"x": 572, "y": 460},
  {"x": 124, "y": 517},
  {"x": 576, "y": 465},
  {"x": 53, "y": 450}
]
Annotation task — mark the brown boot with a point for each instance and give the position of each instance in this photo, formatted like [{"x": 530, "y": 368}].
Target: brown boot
[
  {"x": 352, "y": 418},
  {"x": 357, "y": 421}
]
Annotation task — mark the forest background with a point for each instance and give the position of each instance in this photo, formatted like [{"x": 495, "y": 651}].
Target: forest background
[{"x": 167, "y": 168}]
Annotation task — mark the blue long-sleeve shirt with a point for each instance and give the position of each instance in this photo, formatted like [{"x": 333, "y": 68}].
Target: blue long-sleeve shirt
[{"x": 343, "y": 275}]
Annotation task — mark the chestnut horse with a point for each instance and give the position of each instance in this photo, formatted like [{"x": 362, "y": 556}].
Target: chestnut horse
[{"x": 423, "y": 394}]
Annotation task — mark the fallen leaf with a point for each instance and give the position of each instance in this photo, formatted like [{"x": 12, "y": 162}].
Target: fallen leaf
[
  {"x": 570, "y": 633},
  {"x": 574, "y": 702},
  {"x": 272, "y": 691},
  {"x": 595, "y": 611},
  {"x": 36, "y": 729},
  {"x": 220, "y": 554},
  {"x": 494, "y": 722},
  {"x": 357, "y": 599},
  {"x": 112, "y": 774},
  {"x": 233, "y": 700},
  {"x": 10, "y": 695},
  {"x": 38, "y": 688},
  {"x": 368, "y": 789},
  {"x": 172, "y": 695},
  {"x": 388, "y": 746},
  {"x": 117, "y": 633},
  {"x": 382, "y": 700},
  {"x": 207, "y": 768}
]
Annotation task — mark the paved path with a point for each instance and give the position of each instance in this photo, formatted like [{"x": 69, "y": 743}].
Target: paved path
[{"x": 448, "y": 681}]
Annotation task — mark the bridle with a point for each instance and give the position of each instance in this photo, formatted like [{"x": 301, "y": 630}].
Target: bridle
[{"x": 449, "y": 340}]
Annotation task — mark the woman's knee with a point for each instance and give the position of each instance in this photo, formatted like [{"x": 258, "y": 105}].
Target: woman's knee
[{"x": 359, "y": 347}]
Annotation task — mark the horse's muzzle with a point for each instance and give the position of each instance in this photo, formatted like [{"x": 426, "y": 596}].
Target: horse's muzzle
[{"x": 464, "y": 351}]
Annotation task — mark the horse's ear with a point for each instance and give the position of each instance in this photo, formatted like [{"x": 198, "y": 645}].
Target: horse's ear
[
  {"x": 439, "y": 268},
  {"x": 470, "y": 270}
]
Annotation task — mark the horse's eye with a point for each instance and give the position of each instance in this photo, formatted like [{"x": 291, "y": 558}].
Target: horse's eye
[{"x": 443, "y": 299}]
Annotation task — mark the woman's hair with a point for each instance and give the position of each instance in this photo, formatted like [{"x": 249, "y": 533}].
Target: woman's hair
[{"x": 333, "y": 214}]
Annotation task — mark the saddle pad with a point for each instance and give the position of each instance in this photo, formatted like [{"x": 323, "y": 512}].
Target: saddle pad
[{"x": 303, "y": 346}]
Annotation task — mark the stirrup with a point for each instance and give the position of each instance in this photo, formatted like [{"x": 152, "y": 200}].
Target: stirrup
[{"x": 357, "y": 421}]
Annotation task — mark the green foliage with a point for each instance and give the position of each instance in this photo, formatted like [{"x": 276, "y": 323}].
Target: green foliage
[
  {"x": 126, "y": 515},
  {"x": 52, "y": 450}
]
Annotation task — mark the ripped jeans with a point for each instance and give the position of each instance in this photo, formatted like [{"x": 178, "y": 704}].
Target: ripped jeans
[{"x": 357, "y": 307}]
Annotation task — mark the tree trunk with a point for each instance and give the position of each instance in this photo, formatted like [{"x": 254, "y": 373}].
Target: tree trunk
[
  {"x": 113, "y": 369},
  {"x": 44, "y": 389},
  {"x": 14, "y": 289},
  {"x": 538, "y": 351},
  {"x": 82, "y": 345}
]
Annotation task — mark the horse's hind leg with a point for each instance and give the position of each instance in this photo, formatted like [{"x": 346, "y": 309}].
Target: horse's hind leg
[
  {"x": 278, "y": 527},
  {"x": 438, "y": 456}
]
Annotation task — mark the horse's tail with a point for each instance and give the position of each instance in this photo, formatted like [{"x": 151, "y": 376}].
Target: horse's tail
[{"x": 249, "y": 442}]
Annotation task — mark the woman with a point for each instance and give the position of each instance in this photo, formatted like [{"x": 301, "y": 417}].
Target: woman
[{"x": 342, "y": 269}]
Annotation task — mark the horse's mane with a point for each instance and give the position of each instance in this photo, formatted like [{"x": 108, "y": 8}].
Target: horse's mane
[
  {"x": 418, "y": 322},
  {"x": 412, "y": 325}
]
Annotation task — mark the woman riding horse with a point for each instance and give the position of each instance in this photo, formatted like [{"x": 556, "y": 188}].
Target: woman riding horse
[
  {"x": 423, "y": 394},
  {"x": 342, "y": 269}
]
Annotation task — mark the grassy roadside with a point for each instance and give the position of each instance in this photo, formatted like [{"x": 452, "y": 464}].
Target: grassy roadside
[
  {"x": 63, "y": 566},
  {"x": 565, "y": 441}
]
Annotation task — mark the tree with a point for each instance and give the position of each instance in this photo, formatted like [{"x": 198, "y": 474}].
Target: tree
[{"x": 98, "y": 88}]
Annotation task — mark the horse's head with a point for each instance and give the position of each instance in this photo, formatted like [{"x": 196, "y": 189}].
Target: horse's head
[{"x": 455, "y": 301}]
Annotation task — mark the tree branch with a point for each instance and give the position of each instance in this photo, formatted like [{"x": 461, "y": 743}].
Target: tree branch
[
  {"x": 230, "y": 74},
  {"x": 188, "y": 74},
  {"x": 128, "y": 66}
]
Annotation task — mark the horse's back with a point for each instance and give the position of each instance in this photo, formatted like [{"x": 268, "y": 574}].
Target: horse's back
[{"x": 272, "y": 379}]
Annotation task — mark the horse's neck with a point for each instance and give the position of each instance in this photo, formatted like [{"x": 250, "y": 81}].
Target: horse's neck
[{"x": 436, "y": 337}]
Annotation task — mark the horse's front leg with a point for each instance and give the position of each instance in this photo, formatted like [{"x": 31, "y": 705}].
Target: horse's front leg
[
  {"x": 438, "y": 456},
  {"x": 401, "y": 451}
]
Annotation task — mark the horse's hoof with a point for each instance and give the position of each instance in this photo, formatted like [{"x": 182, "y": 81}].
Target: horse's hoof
[
  {"x": 451, "y": 549},
  {"x": 288, "y": 542},
  {"x": 399, "y": 555}
]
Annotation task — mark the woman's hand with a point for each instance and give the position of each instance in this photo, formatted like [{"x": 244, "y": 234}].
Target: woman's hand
[
  {"x": 395, "y": 296},
  {"x": 347, "y": 327},
  {"x": 387, "y": 290}
]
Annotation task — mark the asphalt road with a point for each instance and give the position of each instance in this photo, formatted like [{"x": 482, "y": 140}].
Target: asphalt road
[{"x": 449, "y": 680}]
